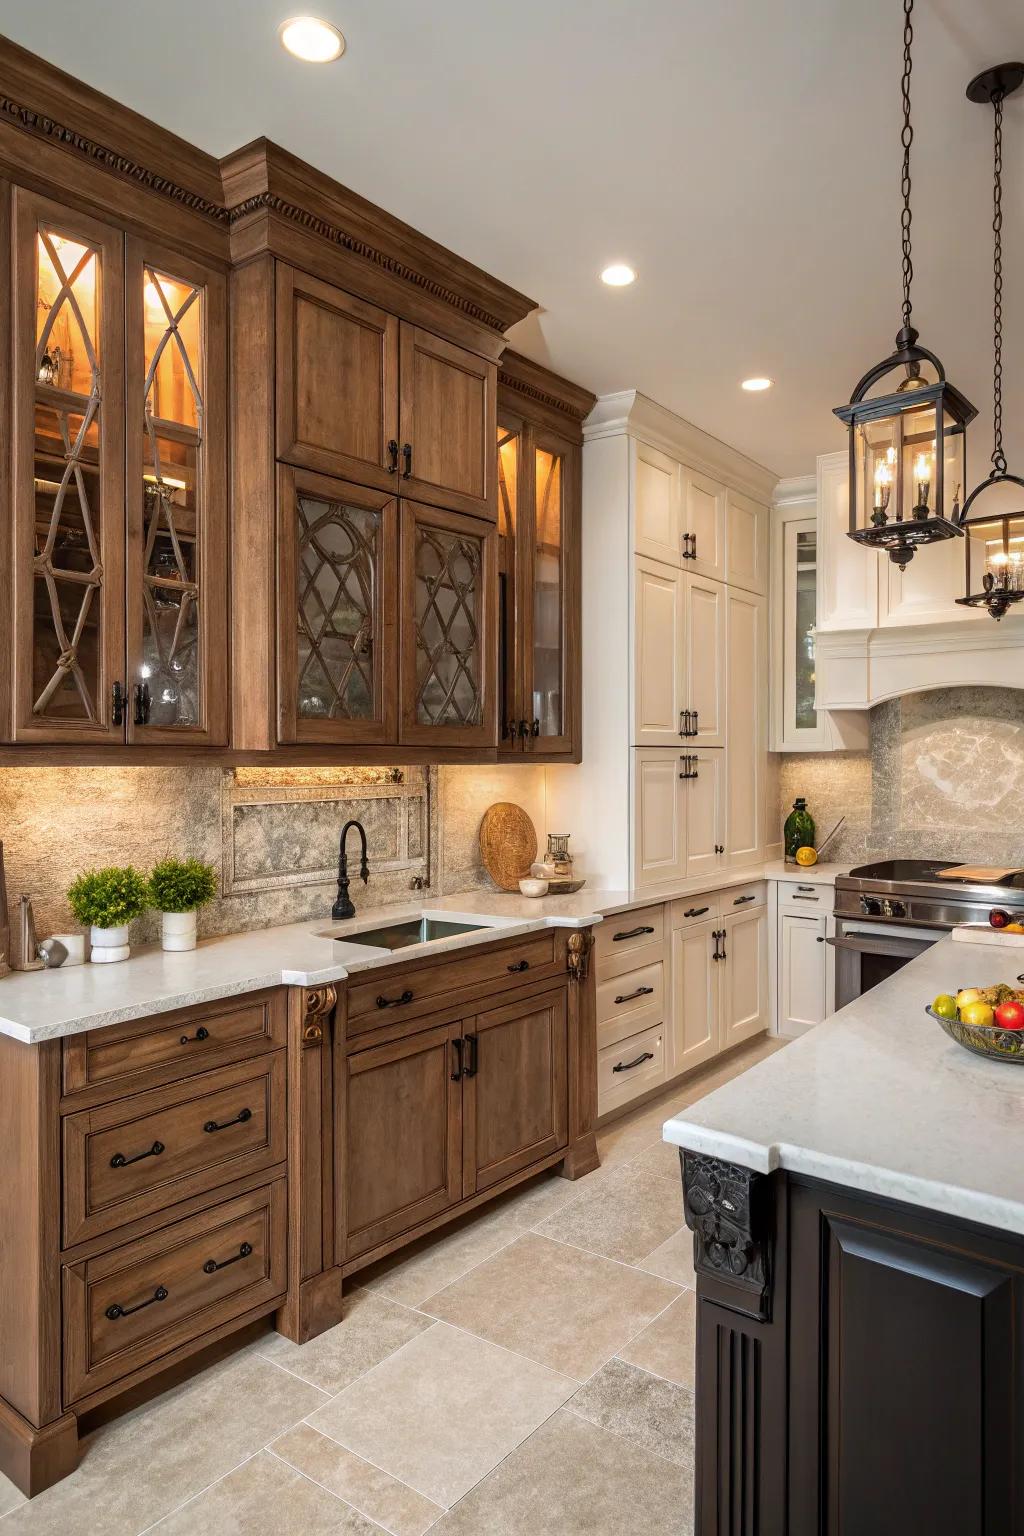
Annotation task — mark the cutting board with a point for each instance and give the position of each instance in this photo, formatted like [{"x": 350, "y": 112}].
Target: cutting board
[
  {"x": 985, "y": 874},
  {"x": 508, "y": 844},
  {"x": 981, "y": 933}
]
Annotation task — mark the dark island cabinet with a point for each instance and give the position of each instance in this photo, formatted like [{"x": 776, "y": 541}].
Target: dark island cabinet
[{"x": 859, "y": 1363}]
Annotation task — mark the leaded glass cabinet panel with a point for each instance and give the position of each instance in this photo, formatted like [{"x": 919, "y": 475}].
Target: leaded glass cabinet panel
[
  {"x": 68, "y": 474},
  {"x": 337, "y": 611},
  {"x": 449, "y": 618},
  {"x": 176, "y": 569}
]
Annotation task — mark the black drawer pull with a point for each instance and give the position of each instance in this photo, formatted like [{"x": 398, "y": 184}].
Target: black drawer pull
[
  {"x": 211, "y": 1266},
  {"x": 518, "y": 965},
  {"x": 696, "y": 911},
  {"x": 395, "y": 1002},
  {"x": 392, "y": 465},
  {"x": 627, "y": 997},
  {"x": 741, "y": 899},
  {"x": 115, "y": 1310},
  {"x": 805, "y": 887},
  {"x": 120, "y": 1161},
  {"x": 240, "y": 1119},
  {"x": 473, "y": 1061},
  {"x": 805, "y": 898},
  {"x": 633, "y": 933},
  {"x": 627, "y": 1066},
  {"x": 457, "y": 1045},
  {"x": 202, "y": 1033}
]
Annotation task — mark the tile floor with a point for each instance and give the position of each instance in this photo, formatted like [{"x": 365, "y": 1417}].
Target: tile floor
[{"x": 529, "y": 1373}]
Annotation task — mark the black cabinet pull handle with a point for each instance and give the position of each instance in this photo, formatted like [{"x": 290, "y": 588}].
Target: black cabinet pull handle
[
  {"x": 690, "y": 771},
  {"x": 392, "y": 456},
  {"x": 473, "y": 1060},
  {"x": 535, "y": 728},
  {"x": 631, "y": 933},
  {"x": 406, "y": 460},
  {"x": 395, "y": 1002},
  {"x": 627, "y": 997},
  {"x": 211, "y": 1266},
  {"x": 117, "y": 704},
  {"x": 696, "y": 723},
  {"x": 693, "y": 546},
  {"x": 518, "y": 965},
  {"x": 806, "y": 898},
  {"x": 202, "y": 1033},
  {"x": 719, "y": 847},
  {"x": 723, "y": 955},
  {"x": 696, "y": 911},
  {"x": 687, "y": 551},
  {"x": 510, "y": 730},
  {"x": 457, "y": 1044},
  {"x": 240, "y": 1119},
  {"x": 819, "y": 940},
  {"x": 143, "y": 703},
  {"x": 716, "y": 935},
  {"x": 682, "y": 727},
  {"x": 741, "y": 900},
  {"x": 115, "y": 1310},
  {"x": 805, "y": 887},
  {"x": 627, "y": 1066},
  {"x": 524, "y": 729},
  {"x": 120, "y": 1161}
]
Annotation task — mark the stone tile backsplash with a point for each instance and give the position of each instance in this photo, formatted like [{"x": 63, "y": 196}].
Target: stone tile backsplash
[{"x": 944, "y": 778}]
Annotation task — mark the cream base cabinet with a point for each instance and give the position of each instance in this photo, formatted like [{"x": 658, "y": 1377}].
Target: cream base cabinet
[
  {"x": 703, "y": 661},
  {"x": 803, "y": 972},
  {"x": 744, "y": 976},
  {"x": 659, "y": 817},
  {"x": 704, "y": 815},
  {"x": 746, "y": 725},
  {"x": 696, "y": 1003},
  {"x": 659, "y": 596}
]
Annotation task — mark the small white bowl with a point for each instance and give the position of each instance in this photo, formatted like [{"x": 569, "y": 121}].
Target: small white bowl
[{"x": 531, "y": 886}]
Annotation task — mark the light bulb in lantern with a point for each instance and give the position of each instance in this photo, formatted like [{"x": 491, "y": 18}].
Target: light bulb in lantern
[
  {"x": 922, "y": 483},
  {"x": 883, "y": 490}
]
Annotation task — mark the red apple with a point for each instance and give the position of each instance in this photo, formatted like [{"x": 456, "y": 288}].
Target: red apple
[
  {"x": 1010, "y": 1015},
  {"x": 998, "y": 918}
]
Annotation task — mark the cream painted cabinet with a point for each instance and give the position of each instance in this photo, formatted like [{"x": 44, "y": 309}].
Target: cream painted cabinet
[
  {"x": 746, "y": 711},
  {"x": 657, "y": 512},
  {"x": 746, "y": 543},
  {"x": 847, "y": 571},
  {"x": 696, "y": 1006},
  {"x": 704, "y": 651},
  {"x": 743, "y": 962},
  {"x": 803, "y": 973},
  {"x": 703, "y": 542},
  {"x": 703, "y": 782},
  {"x": 659, "y": 817},
  {"x": 660, "y": 681}
]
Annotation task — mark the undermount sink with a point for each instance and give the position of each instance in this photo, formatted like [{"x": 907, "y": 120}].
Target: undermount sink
[{"x": 415, "y": 930}]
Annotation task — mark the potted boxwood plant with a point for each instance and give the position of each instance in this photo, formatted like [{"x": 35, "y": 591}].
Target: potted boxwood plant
[
  {"x": 108, "y": 900},
  {"x": 178, "y": 888}
]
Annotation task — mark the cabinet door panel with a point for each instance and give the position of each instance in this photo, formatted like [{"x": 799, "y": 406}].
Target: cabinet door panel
[
  {"x": 516, "y": 1100},
  {"x": 512, "y": 596},
  {"x": 448, "y": 416},
  {"x": 744, "y": 977},
  {"x": 657, "y": 516},
  {"x": 449, "y": 695},
  {"x": 68, "y": 463},
  {"x": 659, "y": 817},
  {"x": 336, "y": 611},
  {"x": 705, "y": 811},
  {"x": 746, "y": 543},
  {"x": 802, "y": 972},
  {"x": 704, "y": 652},
  {"x": 695, "y": 990},
  {"x": 551, "y": 592},
  {"x": 659, "y": 657},
  {"x": 176, "y": 587},
  {"x": 704, "y": 521},
  {"x": 746, "y": 700},
  {"x": 337, "y": 381},
  {"x": 403, "y": 1137}
]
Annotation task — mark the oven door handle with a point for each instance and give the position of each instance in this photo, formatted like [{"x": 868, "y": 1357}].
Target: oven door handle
[{"x": 897, "y": 949}]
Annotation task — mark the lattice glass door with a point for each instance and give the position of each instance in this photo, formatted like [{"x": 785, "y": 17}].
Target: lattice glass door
[
  {"x": 68, "y": 446},
  {"x": 176, "y": 567}
]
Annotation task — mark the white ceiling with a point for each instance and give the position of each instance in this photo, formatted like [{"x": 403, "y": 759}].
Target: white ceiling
[{"x": 741, "y": 154}]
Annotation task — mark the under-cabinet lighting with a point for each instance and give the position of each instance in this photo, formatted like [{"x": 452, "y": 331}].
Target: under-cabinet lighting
[{"x": 309, "y": 38}]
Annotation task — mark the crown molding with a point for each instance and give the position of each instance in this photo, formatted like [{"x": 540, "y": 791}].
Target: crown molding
[
  {"x": 536, "y": 382},
  {"x": 634, "y": 414},
  {"x": 796, "y": 491}
]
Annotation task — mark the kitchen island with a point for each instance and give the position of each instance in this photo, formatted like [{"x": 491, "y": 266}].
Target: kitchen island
[{"x": 857, "y": 1202}]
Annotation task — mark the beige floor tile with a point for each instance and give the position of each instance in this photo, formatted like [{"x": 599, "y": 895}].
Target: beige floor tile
[
  {"x": 265, "y": 1497},
  {"x": 568, "y": 1309},
  {"x": 667, "y": 1346},
  {"x": 10, "y": 1497},
  {"x": 143, "y": 1465},
  {"x": 573, "y": 1478},
  {"x": 673, "y": 1260},
  {"x": 436, "y": 1261},
  {"x": 372, "y": 1327},
  {"x": 662, "y": 1158},
  {"x": 633, "y": 1212},
  {"x": 534, "y": 1202},
  {"x": 398, "y": 1508},
  {"x": 443, "y": 1411},
  {"x": 653, "y": 1414}
]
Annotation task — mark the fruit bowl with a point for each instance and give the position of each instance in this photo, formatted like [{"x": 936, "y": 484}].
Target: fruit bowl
[{"x": 984, "y": 1039}]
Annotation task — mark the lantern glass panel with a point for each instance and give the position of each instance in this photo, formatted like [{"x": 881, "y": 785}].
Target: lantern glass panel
[
  {"x": 996, "y": 548},
  {"x": 876, "y": 447}
]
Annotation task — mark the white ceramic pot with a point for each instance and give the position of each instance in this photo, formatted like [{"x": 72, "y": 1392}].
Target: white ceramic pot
[
  {"x": 109, "y": 944},
  {"x": 178, "y": 930}
]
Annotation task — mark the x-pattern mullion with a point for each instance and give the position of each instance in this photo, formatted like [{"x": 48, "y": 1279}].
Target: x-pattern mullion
[
  {"x": 358, "y": 565},
  {"x": 67, "y": 291},
  {"x": 447, "y": 578},
  {"x": 173, "y": 322}
]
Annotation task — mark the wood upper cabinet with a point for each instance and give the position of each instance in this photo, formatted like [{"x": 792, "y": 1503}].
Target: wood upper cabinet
[
  {"x": 337, "y": 381},
  {"x": 446, "y": 423},
  {"x": 337, "y": 618}
]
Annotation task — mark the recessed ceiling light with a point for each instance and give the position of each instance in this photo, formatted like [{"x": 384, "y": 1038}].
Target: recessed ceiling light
[
  {"x": 755, "y": 385},
  {"x": 309, "y": 38},
  {"x": 618, "y": 275}
]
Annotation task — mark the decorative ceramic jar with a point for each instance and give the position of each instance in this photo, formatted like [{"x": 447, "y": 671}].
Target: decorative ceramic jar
[{"x": 109, "y": 944}]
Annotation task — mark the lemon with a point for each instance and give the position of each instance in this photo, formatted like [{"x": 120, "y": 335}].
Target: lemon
[
  {"x": 806, "y": 857},
  {"x": 976, "y": 1013},
  {"x": 944, "y": 1006},
  {"x": 968, "y": 995}
]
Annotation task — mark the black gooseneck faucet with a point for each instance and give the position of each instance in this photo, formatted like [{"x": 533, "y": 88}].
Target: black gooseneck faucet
[{"x": 343, "y": 906}]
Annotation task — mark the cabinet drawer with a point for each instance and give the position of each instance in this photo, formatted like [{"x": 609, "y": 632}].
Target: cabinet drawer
[
  {"x": 143, "y": 1154},
  {"x": 804, "y": 897},
  {"x": 741, "y": 898},
  {"x": 626, "y": 934},
  {"x": 689, "y": 910},
  {"x": 630, "y": 1002},
  {"x": 629, "y": 1068},
  {"x": 144, "y": 1052},
  {"x": 127, "y": 1308},
  {"x": 392, "y": 996}
]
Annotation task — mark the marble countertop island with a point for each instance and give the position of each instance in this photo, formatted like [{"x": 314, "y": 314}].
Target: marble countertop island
[{"x": 880, "y": 1099}]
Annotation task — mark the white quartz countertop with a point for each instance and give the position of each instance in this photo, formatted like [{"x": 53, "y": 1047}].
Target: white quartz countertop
[{"x": 880, "y": 1099}]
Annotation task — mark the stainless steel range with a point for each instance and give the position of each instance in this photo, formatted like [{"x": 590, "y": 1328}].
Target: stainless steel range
[{"x": 888, "y": 912}]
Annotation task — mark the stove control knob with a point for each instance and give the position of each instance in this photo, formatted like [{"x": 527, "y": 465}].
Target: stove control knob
[
  {"x": 871, "y": 906},
  {"x": 897, "y": 909}
]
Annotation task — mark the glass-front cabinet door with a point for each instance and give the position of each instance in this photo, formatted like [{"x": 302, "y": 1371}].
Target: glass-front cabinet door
[
  {"x": 512, "y": 722},
  {"x": 449, "y": 628},
  {"x": 551, "y": 649},
  {"x": 176, "y": 570},
  {"x": 337, "y": 619},
  {"x": 68, "y": 466}
]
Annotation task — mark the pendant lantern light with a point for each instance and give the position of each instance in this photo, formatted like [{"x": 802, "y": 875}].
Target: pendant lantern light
[
  {"x": 995, "y": 543},
  {"x": 908, "y": 448}
]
